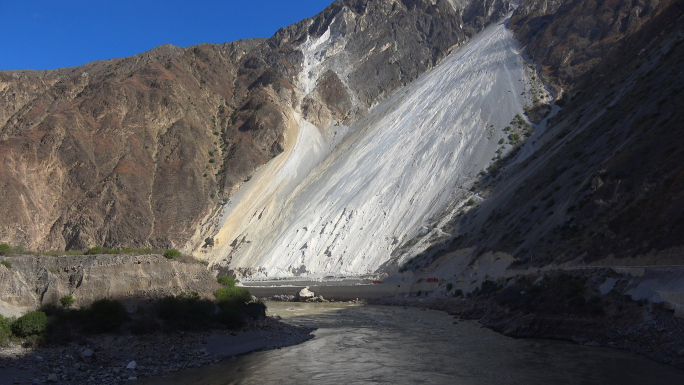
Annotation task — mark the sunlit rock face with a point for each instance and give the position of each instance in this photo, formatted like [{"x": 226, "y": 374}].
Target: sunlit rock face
[
  {"x": 142, "y": 151},
  {"x": 332, "y": 206}
]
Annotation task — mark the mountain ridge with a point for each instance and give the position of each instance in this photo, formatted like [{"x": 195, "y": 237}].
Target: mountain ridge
[{"x": 213, "y": 113}]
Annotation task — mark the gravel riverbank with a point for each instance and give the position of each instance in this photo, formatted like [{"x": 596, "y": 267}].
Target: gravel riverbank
[{"x": 117, "y": 359}]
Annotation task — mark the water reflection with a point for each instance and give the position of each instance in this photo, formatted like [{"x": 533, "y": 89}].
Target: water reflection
[{"x": 391, "y": 345}]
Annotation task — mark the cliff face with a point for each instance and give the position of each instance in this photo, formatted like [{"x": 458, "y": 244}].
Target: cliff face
[
  {"x": 568, "y": 38},
  {"x": 141, "y": 151},
  {"x": 34, "y": 280}
]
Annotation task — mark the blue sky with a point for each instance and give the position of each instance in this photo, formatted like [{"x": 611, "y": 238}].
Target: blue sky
[{"x": 48, "y": 34}]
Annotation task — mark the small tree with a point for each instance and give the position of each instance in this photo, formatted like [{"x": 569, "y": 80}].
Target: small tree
[
  {"x": 233, "y": 295},
  {"x": 226, "y": 281},
  {"x": 67, "y": 300},
  {"x": 105, "y": 316}
]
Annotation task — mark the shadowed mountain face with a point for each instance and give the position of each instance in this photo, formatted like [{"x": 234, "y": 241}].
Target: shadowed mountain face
[
  {"x": 141, "y": 151},
  {"x": 604, "y": 183}
]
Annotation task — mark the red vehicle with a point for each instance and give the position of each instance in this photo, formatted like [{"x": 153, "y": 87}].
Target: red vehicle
[
  {"x": 377, "y": 282},
  {"x": 432, "y": 280}
]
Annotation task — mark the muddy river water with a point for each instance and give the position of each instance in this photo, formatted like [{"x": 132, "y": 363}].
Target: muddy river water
[{"x": 394, "y": 345}]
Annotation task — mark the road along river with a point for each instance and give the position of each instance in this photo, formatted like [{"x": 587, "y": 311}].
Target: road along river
[{"x": 362, "y": 344}]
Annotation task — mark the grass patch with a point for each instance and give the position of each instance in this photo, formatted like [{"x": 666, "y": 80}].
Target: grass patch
[{"x": 172, "y": 254}]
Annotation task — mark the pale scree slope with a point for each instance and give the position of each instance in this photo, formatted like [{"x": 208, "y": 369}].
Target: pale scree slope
[{"x": 319, "y": 210}]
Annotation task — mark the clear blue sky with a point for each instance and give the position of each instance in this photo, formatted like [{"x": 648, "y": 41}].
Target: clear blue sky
[{"x": 48, "y": 34}]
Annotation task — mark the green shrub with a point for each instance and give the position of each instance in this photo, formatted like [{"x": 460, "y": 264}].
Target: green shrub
[
  {"x": 229, "y": 316},
  {"x": 172, "y": 253},
  {"x": 449, "y": 286},
  {"x": 5, "y": 331},
  {"x": 94, "y": 250},
  {"x": 7, "y": 264},
  {"x": 234, "y": 295},
  {"x": 105, "y": 316},
  {"x": 30, "y": 324},
  {"x": 488, "y": 287},
  {"x": 226, "y": 281},
  {"x": 184, "y": 311},
  {"x": 5, "y": 249},
  {"x": 67, "y": 300},
  {"x": 514, "y": 138},
  {"x": 470, "y": 202},
  {"x": 458, "y": 293},
  {"x": 255, "y": 310}
]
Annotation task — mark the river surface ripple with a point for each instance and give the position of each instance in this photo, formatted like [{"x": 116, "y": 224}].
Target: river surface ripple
[{"x": 394, "y": 345}]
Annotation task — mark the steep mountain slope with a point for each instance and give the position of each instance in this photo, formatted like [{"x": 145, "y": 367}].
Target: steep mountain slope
[
  {"x": 113, "y": 152},
  {"x": 604, "y": 186},
  {"x": 575, "y": 192},
  {"x": 397, "y": 169},
  {"x": 141, "y": 151}
]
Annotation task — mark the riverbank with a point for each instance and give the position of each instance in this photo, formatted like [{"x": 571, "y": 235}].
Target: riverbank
[
  {"x": 647, "y": 329},
  {"x": 116, "y": 359}
]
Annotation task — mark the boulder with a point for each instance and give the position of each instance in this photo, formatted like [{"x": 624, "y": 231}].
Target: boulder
[
  {"x": 305, "y": 294},
  {"x": 87, "y": 355},
  {"x": 52, "y": 377},
  {"x": 132, "y": 365}
]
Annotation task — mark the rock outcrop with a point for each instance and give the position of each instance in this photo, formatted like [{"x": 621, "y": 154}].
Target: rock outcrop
[{"x": 36, "y": 280}]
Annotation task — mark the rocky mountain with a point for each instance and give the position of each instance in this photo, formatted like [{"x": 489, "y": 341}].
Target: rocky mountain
[
  {"x": 426, "y": 137},
  {"x": 142, "y": 151},
  {"x": 602, "y": 186},
  {"x": 563, "y": 186}
]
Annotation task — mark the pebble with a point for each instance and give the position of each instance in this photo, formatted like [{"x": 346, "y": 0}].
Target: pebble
[{"x": 87, "y": 355}]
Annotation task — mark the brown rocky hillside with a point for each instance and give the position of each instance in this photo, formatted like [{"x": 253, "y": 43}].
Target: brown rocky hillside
[{"x": 141, "y": 151}]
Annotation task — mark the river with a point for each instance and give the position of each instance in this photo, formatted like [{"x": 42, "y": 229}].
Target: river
[{"x": 393, "y": 345}]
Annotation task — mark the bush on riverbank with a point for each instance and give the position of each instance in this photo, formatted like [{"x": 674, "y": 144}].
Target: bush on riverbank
[
  {"x": 30, "y": 324},
  {"x": 184, "y": 312},
  {"x": 105, "y": 316},
  {"x": 226, "y": 281},
  {"x": 6, "y": 335}
]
